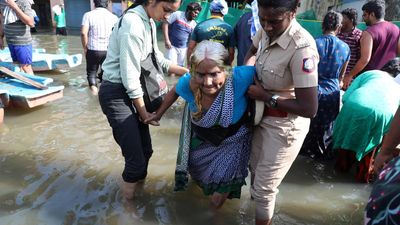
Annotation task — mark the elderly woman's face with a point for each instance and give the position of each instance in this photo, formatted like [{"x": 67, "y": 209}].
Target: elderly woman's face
[
  {"x": 209, "y": 77},
  {"x": 273, "y": 21}
]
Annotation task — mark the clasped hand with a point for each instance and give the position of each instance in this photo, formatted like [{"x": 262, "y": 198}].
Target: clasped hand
[
  {"x": 152, "y": 119},
  {"x": 257, "y": 91}
]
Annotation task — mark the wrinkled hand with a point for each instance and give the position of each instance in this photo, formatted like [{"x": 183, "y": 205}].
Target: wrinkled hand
[
  {"x": 257, "y": 91},
  {"x": 346, "y": 82},
  {"x": 381, "y": 159},
  {"x": 149, "y": 119},
  {"x": 154, "y": 118},
  {"x": 168, "y": 45}
]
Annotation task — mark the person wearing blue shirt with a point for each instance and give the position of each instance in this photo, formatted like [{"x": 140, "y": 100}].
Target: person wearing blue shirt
[
  {"x": 334, "y": 57},
  {"x": 177, "y": 29},
  {"x": 242, "y": 34}
]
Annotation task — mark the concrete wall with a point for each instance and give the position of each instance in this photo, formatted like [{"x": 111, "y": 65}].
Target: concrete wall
[{"x": 74, "y": 10}]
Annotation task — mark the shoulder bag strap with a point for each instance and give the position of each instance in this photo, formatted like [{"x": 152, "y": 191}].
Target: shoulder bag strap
[{"x": 153, "y": 53}]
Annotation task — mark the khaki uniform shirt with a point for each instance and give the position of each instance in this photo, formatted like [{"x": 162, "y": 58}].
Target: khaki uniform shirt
[{"x": 289, "y": 62}]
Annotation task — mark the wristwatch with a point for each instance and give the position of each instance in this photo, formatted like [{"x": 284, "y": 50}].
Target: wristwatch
[{"x": 273, "y": 101}]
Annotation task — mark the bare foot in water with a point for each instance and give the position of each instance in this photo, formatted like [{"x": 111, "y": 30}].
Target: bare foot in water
[
  {"x": 218, "y": 199},
  {"x": 94, "y": 90},
  {"x": 128, "y": 190}
]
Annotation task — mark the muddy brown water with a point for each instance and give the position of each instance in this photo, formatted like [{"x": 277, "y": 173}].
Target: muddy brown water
[{"x": 59, "y": 164}]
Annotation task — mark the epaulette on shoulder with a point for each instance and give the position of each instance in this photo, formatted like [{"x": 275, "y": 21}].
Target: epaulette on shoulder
[{"x": 300, "y": 40}]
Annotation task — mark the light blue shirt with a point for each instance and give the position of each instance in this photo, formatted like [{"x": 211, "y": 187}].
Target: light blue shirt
[
  {"x": 128, "y": 46},
  {"x": 243, "y": 77}
]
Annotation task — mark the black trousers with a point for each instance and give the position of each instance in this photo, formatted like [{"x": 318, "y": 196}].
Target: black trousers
[
  {"x": 131, "y": 135},
  {"x": 61, "y": 31},
  {"x": 94, "y": 59}
]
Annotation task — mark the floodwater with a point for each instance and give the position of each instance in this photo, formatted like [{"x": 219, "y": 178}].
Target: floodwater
[{"x": 59, "y": 164}]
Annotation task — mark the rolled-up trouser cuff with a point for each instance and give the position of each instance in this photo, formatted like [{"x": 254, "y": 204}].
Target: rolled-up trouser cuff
[
  {"x": 265, "y": 203},
  {"x": 131, "y": 135},
  {"x": 94, "y": 59}
]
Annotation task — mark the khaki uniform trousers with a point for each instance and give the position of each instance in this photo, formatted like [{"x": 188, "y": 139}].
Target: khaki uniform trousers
[{"x": 276, "y": 144}]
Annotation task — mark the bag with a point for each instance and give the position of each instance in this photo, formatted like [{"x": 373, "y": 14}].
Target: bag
[
  {"x": 255, "y": 111},
  {"x": 153, "y": 83},
  {"x": 152, "y": 78}
]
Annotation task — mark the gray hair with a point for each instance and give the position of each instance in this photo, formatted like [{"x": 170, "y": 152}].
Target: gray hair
[
  {"x": 210, "y": 50},
  {"x": 215, "y": 52}
]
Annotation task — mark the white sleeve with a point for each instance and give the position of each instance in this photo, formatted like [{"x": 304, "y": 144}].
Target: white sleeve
[
  {"x": 85, "y": 20},
  {"x": 173, "y": 17}
]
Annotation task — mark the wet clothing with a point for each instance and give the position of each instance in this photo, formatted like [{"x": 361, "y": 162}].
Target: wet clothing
[
  {"x": 383, "y": 204},
  {"x": 99, "y": 23},
  {"x": 61, "y": 31},
  {"x": 286, "y": 63},
  {"x": 21, "y": 54},
  {"x": 94, "y": 59},
  {"x": 385, "y": 37},
  {"x": 333, "y": 54},
  {"x": 130, "y": 134},
  {"x": 214, "y": 29},
  {"x": 369, "y": 105},
  {"x": 352, "y": 39},
  {"x": 129, "y": 45},
  {"x": 216, "y": 167}
]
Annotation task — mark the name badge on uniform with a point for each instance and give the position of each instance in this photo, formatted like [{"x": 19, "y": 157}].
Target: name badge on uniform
[{"x": 308, "y": 65}]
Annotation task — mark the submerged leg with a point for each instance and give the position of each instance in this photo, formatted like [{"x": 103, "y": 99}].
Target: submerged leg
[
  {"x": 128, "y": 190},
  {"x": 27, "y": 69},
  {"x": 218, "y": 199},
  {"x": 263, "y": 222}
]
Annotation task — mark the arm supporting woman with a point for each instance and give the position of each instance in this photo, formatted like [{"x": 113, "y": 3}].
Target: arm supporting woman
[
  {"x": 178, "y": 70},
  {"x": 305, "y": 104},
  {"x": 390, "y": 141},
  {"x": 169, "y": 99}
]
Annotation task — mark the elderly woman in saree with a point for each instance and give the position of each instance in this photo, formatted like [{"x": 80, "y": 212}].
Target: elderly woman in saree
[{"x": 215, "y": 141}]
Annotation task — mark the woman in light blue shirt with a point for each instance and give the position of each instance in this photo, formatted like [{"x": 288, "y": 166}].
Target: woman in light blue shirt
[{"x": 121, "y": 93}]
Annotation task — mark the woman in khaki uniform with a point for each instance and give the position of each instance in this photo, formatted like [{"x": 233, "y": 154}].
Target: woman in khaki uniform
[{"x": 286, "y": 60}]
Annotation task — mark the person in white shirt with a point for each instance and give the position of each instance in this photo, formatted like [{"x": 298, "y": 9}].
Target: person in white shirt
[{"x": 95, "y": 33}]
